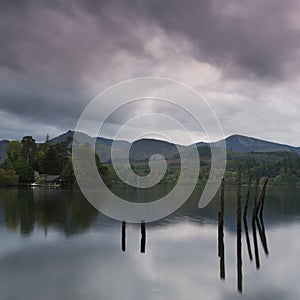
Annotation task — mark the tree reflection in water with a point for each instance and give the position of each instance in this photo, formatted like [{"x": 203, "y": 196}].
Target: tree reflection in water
[{"x": 24, "y": 209}]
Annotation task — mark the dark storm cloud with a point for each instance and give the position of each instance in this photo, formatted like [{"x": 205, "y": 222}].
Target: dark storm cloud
[
  {"x": 48, "y": 51},
  {"x": 244, "y": 38},
  {"x": 57, "y": 55}
]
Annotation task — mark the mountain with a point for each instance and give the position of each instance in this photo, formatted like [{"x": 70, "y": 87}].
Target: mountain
[
  {"x": 139, "y": 150},
  {"x": 102, "y": 145},
  {"x": 3, "y": 145},
  {"x": 61, "y": 138},
  {"x": 145, "y": 148},
  {"x": 240, "y": 143}
]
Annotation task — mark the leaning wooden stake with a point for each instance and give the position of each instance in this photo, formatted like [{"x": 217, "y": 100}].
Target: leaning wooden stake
[
  {"x": 221, "y": 248},
  {"x": 262, "y": 200},
  {"x": 265, "y": 243},
  {"x": 262, "y": 234},
  {"x": 239, "y": 233},
  {"x": 256, "y": 195},
  {"x": 247, "y": 198},
  {"x": 245, "y": 219},
  {"x": 143, "y": 237},
  {"x": 255, "y": 203},
  {"x": 255, "y": 243},
  {"x": 123, "y": 236}
]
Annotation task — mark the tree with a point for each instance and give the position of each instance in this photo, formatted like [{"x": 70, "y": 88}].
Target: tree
[
  {"x": 13, "y": 150},
  {"x": 64, "y": 151},
  {"x": 7, "y": 165},
  {"x": 51, "y": 161},
  {"x": 28, "y": 149},
  {"x": 84, "y": 153},
  {"x": 104, "y": 171},
  {"x": 8, "y": 177},
  {"x": 39, "y": 160},
  {"x": 68, "y": 172},
  {"x": 24, "y": 170}
]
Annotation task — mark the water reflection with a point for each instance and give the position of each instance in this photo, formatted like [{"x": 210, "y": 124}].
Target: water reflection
[
  {"x": 123, "y": 236},
  {"x": 143, "y": 237},
  {"x": 221, "y": 248},
  {"x": 245, "y": 215},
  {"x": 180, "y": 251},
  {"x": 26, "y": 208},
  {"x": 257, "y": 225}
]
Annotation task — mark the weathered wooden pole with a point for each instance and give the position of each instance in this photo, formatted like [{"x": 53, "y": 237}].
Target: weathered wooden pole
[
  {"x": 221, "y": 248},
  {"x": 245, "y": 219},
  {"x": 254, "y": 225},
  {"x": 262, "y": 200},
  {"x": 143, "y": 237},
  {"x": 123, "y": 236},
  {"x": 239, "y": 233},
  {"x": 259, "y": 203},
  {"x": 255, "y": 244},
  {"x": 221, "y": 217},
  {"x": 247, "y": 198},
  {"x": 255, "y": 198},
  {"x": 262, "y": 234}
]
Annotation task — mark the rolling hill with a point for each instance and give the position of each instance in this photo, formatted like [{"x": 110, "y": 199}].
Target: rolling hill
[
  {"x": 144, "y": 148},
  {"x": 240, "y": 143}
]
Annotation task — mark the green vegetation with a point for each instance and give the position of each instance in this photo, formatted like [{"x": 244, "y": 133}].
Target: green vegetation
[
  {"x": 8, "y": 177},
  {"x": 282, "y": 168},
  {"x": 26, "y": 209},
  {"x": 25, "y": 157}
]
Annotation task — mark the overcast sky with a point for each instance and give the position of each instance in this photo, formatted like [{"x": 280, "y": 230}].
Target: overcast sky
[{"x": 242, "y": 56}]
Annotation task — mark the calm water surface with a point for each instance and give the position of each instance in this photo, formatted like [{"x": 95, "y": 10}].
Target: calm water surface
[{"x": 55, "y": 245}]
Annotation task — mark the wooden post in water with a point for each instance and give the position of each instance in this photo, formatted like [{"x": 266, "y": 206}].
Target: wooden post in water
[
  {"x": 123, "y": 236},
  {"x": 259, "y": 206},
  {"x": 254, "y": 225},
  {"x": 262, "y": 234},
  {"x": 255, "y": 244},
  {"x": 143, "y": 237},
  {"x": 259, "y": 203},
  {"x": 247, "y": 198},
  {"x": 239, "y": 233},
  {"x": 221, "y": 248},
  {"x": 256, "y": 195},
  {"x": 262, "y": 200},
  {"x": 245, "y": 219}
]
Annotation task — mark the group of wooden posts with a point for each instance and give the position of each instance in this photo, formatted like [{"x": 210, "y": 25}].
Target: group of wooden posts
[
  {"x": 257, "y": 224},
  {"x": 143, "y": 237}
]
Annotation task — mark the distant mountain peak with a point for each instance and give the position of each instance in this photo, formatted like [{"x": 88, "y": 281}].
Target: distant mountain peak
[
  {"x": 241, "y": 143},
  {"x": 143, "y": 148}
]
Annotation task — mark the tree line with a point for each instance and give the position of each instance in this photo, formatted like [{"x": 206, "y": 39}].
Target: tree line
[
  {"x": 282, "y": 168},
  {"x": 26, "y": 156}
]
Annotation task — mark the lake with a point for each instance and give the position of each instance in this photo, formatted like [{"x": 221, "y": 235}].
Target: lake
[{"x": 55, "y": 245}]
